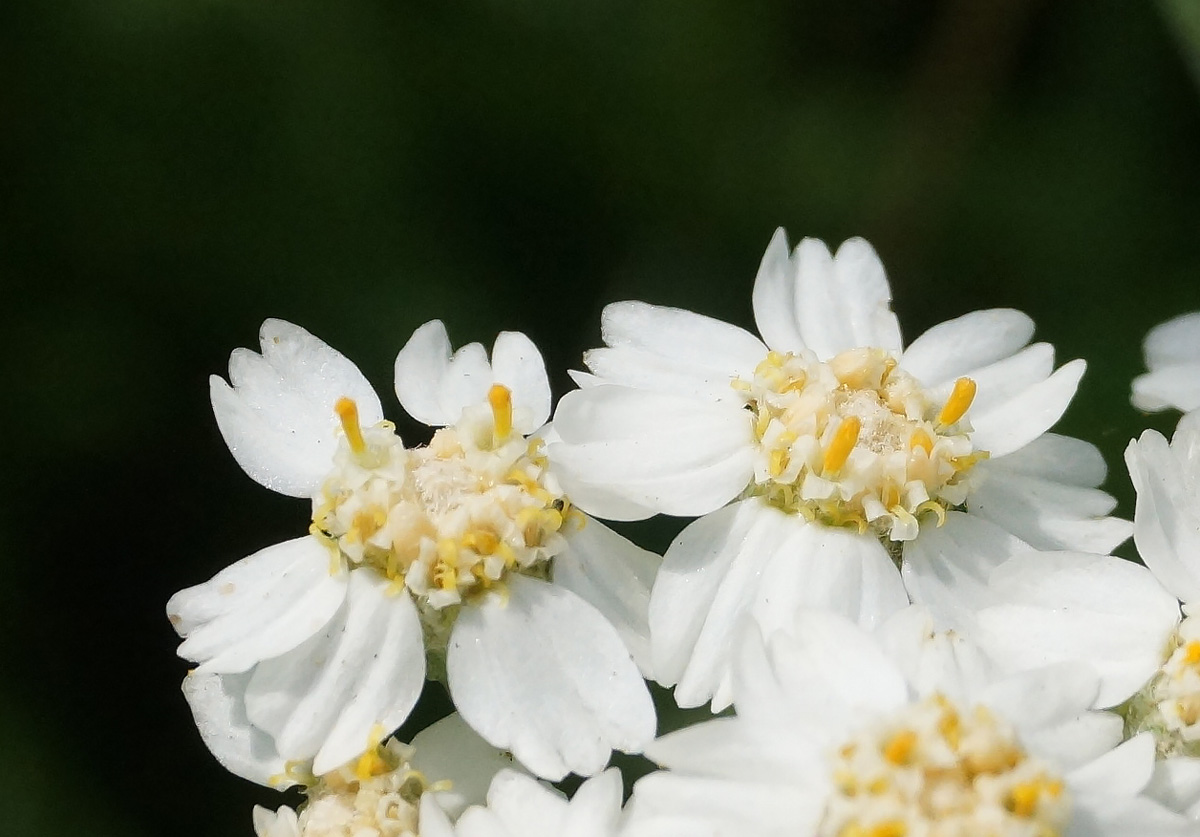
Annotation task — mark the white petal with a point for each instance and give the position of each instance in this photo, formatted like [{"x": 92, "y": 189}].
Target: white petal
[
  {"x": 260, "y": 607},
  {"x": 825, "y": 672},
  {"x": 1062, "y": 606},
  {"x": 434, "y": 822},
  {"x": 1176, "y": 386},
  {"x": 774, "y": 297},
  {"x": 219, "y": 707},
  {"x": 450, "y": 750},
  {"x": 947, "y": 569},
  {"x": 278, "y": 417},
  {"x": 1123, "y": 771},
  {"x": 998, "y": 382},
  {"x": 420, "y": 367},
  {"x": 543, "y": 675},
  {"x": 1175, "y": 341},
  {"x": 708, "y": 579},
  {"x": 1061, "y": 458},
  {"x": 666, "y": 804},
  {"x": 668, "y": 453},
  {"x": 1045, "y": 513},
  {"x": 1166, "y": 519},
  {"x": 518, "y": 365},
  {"x": 1014, "y": 424},
  {"x": 956, "y": 347},
  {"x": 710, "y": 347},
  {"x": 1043, "y": 698},
  {"x": 1078, "y": 741},
  {"x": 466, "y": 381},
  {"x": 595, "y": 808},
  {"x": 843, "y": 301},
  {"x": 932, "y": 661},
  {"x": 366, "y": 668},
  {"x": 613, "y": 575},
  {"x": 641, "y": 369},
  {"x": 522, "y": 807},
  {"x": 1176, "y": 784}
]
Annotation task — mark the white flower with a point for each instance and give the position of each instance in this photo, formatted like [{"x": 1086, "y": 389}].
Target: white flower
[
  {"x": 822, "y": 454},
  {"x": 464, "y": 553},
  {"x": 839, "y": 732},
  {"x": 1166, "y": 529},
  {"x": 394, "y": 789},
  {"x": 518, "y": 806},
  {"x": 1172, "y": 352}
]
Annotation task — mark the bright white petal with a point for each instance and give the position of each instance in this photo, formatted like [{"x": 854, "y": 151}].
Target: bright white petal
[
  {"x": 1175, "y": 341},
  {"x": 420, "y": 368},
  {"x": 543, "y": 675},
  {"x": 466, "y": 381},
  {"x": 366, "y": 668},
  {"x": 710, "y": 347},
  {"x": 962, "y": 345},
  {"x": 278, "y": 417},
  {"x": 1166, "y": 519},
  {"x": 843, "y": 301},
  {"x": 451, "y": 750},
  {"x": 262, "y": 606},
  {"x": 947, "y": 569},
  {"x": 1176, "y": 784},
  {"x": 1045, "y": 697},
  {"x": 641, "y": 369},
  {"x": 1176, "y": 386},
  {"x": 518, "y": 365},
  {"x": 1123, "y": 771},
  {"x": 1045, "y": 513},
  {"x": 1062, "y": 459},
  {"x": 774, "y": 297},
  {"x": 613, "y": 575},
  {"x": 1014, "y": 424},
  {"x": 998, "y": 382},
  {"x": 672, "y": 454},
  {"x": 1061, "y": 606},
  {"x": 218, "y": 703}
]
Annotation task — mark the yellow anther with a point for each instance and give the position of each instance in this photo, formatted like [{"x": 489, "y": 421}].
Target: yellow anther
[
  {"x": 1191, "y": 653},
  {"x": 899, "y": 748},
  {"x": 500, "y": 397},
  {"x": 844, "y": 439},
  {"x": 892, "y": 828},
  {"x": 921, "y": 439},
  {"x": 371, "y": 762},
  {"x": 1023, "y": 799},
  {"x": 779, "y": 461},
  {"x": 347, "y": 412},
  {"x": 959, "y": 401}
]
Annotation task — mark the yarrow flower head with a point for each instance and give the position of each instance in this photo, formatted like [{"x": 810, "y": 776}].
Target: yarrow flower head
[
  {"x": 1172, "y": 353},
  {"x": 462, "y": 558},
  {"x": 388, "y": 790},
  {"x": 821, "y": 457},
  {"x": 839, "y": 732}
]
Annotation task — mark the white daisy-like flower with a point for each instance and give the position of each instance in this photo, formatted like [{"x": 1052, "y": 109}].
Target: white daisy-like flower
[
  {"x": 819, "y": 456},
  {"x": 840, "y": 732},
  {"x": 395, "y": 789},
  {"x": 463, "y": 553},
  {"x": 1166, "y": 529},
  {"x": 1172, "y": 352},
  {"x": 519, "y": 806}
]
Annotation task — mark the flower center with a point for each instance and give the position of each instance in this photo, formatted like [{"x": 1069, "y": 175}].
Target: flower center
[
  {"x": 1169, "y": 706},
  {"x": 940, "y": 772},
  {"x": 446, "y": 521},
  {"x": 856, "y": 441}
]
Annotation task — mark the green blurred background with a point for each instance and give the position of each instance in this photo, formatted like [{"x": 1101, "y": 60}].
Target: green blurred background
[{"x": 174, "y": 173}]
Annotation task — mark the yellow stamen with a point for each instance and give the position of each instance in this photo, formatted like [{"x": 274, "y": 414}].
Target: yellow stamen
[
  {"x": 371, "y": 763},
  {"x": 921, "y": 439},
  {"x": 899, "y": 748},
  {"x": 1191, "y": 653},
  {"x": 843, "y": 442},
  {"x": 959, "y": 401},
  {"x": 500, "y": 397},
  {"x": 347, "y": 412}
]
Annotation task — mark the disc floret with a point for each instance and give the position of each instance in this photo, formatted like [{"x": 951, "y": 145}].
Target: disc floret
[
  {"x": 856, "y": 441},
  {"x": 941, "y": 771},
  {"x": 1169, "y": 705}
]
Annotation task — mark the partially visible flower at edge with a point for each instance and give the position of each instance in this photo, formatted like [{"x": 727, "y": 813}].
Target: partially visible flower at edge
[{"x": 1172, "y": 354}]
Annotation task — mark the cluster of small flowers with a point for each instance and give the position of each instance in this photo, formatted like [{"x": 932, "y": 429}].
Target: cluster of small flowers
[{"x": 898, "y": 581}]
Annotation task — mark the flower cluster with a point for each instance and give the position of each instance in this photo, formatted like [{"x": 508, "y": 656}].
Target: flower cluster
[{"x": 897, "y": 589}]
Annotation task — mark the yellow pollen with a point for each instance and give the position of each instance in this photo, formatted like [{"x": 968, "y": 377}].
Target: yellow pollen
[
  {"x": 843, "y": 442},
  {"x": 1191, "y": 653},
  {"x": 500, "y": 397},
  {"x": 920, "y": 439},
  {"x": 1023, "y": 799},
  {"x": 959, "y": 401},
  {"x": 371, "y": 763},
  {"x": 347, "y": 412},
  {"x": 899, "y": 749}
]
